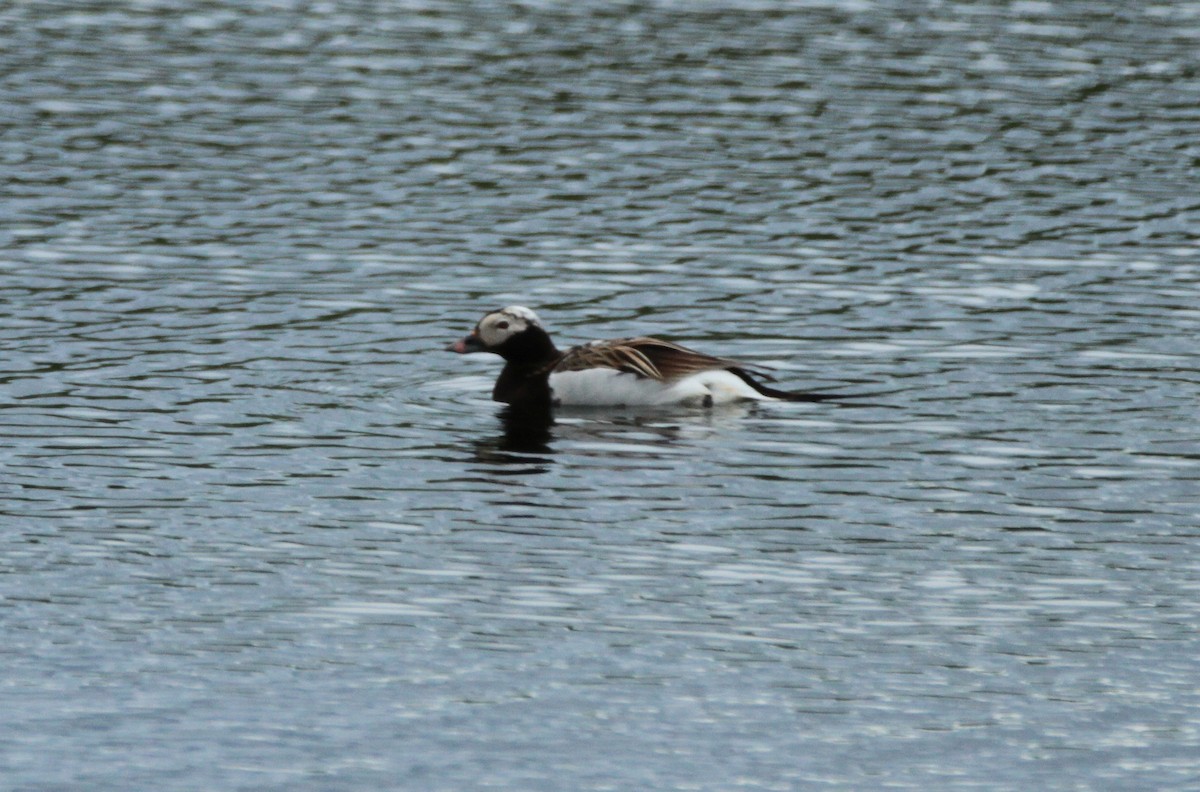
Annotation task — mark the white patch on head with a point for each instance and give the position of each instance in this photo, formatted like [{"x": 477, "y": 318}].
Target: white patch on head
[
  {"x": 524, "y": 313},
  {"x": 499, "y": 326}
]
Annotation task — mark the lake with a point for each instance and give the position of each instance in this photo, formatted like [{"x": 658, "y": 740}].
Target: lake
[{"x": 260, "y": 530}]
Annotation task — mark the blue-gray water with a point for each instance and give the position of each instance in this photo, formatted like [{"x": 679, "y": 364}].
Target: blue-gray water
[{"x": 260, "y": 531}]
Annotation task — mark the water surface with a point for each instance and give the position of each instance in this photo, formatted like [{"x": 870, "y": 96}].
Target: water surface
[{"x": 260, "y": 531}]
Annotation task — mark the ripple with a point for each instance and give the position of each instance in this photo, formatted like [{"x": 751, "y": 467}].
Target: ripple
[{"x": 245, "y": 486}]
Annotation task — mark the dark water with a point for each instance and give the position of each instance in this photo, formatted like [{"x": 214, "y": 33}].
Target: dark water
[{"x": 259, "y": 531}]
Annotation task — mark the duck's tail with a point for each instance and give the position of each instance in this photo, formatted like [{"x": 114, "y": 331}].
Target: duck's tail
[{"x": 796, "y": 396}]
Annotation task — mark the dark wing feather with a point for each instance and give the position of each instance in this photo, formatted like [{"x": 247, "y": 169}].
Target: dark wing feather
[{"x": 645, "y": 357}]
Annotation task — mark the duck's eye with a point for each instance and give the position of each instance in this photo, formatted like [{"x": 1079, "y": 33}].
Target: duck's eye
[{"x": 501, "y": 325}]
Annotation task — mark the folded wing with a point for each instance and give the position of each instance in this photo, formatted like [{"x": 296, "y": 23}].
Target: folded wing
[{"x": 652, "y": 358}]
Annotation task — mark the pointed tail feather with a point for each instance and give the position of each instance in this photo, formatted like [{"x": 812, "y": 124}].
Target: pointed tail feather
[{"x": 797, "y": 396}]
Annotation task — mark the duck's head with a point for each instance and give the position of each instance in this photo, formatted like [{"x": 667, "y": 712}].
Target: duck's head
[{"x": 496, "y": 330}]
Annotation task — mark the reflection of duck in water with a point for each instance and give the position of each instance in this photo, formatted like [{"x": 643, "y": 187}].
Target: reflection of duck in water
[
  {"x": 524, "y": 443},
  {"x": 529, "y": 437},
  {"x": 526, "y": 432},
  {"x": 623, "y": 371}
]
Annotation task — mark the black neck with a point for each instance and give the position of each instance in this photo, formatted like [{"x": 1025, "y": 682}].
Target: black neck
[{"x": 528, "y": 358}]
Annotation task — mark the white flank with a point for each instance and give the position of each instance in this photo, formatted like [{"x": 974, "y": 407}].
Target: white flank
[{"x": 608, "y": 387}]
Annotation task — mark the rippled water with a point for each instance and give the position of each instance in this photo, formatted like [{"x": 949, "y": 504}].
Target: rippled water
[{"x": 261, "y": 531}]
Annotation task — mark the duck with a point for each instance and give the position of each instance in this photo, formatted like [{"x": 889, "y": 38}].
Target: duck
[{"x": 625, "y": 372}]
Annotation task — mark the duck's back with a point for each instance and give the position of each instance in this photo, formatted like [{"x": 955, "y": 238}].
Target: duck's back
[{"x": 645, "y": 371}]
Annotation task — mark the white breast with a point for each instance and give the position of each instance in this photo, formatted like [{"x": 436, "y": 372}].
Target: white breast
[{"x": 601, "y": 386}]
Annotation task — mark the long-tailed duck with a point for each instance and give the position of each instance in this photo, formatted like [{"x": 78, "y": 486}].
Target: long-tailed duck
[{"x": 622, "y": 371}]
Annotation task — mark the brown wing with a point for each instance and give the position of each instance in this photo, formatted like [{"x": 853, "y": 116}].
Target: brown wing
[{"x": 646, "y": 357}]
